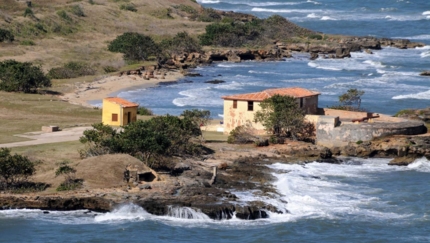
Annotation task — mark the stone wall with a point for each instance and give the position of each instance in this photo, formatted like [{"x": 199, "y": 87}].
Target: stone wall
[
  {"x": 336, "y": 136},
  {"x": 342, "y": 114}
]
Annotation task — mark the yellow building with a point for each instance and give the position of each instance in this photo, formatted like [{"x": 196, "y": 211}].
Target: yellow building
[
  {"x": 118, "y": 112},
  {"x": 239, "y": 109}
]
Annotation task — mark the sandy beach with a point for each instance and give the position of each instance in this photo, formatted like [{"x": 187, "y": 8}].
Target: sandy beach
[{"x": 112, "y": 85}]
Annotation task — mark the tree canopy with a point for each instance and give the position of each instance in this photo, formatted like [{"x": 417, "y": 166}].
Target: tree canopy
[
  {"x": 180, "y": 43},
  {"x": 21, "y": 77},
  {"x": 146, "y": 140},
  {"x": 351, "y": 99},
  {"x": 14, "y": 169},
  {"x": 281, "y": 116},
  {"x": 6, "y": 35},
  {"x": 134, "y": 46}
]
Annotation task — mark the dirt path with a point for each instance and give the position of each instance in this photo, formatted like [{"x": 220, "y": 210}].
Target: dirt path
[{"x": 66, "y": 135}]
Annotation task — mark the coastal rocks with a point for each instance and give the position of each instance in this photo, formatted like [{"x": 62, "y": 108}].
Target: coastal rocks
[
  {"x": 425, "y": 73},
  {"x": 215, "y": 81}
]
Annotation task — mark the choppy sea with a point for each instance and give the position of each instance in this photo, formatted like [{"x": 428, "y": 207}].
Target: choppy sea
[{"x": 362, "y": 200}]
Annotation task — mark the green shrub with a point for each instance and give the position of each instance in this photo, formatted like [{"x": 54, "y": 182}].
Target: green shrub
[
  {"x": 77, "y": 10},
  {"x": 134, "y": 46},
  {"x": 71, "y": 70},
  {"x": 15, "y": 170},
  {"x": 6, "y": 35},
  {"x": 162, "y": 13},
  {"x": 187, "y": 9},
  {"x": 70, "y": 182},
  {"x": 243, "y": 134},
  {"x": 62, "y": 14},
  {"x": 28, "y": 12},
  {"x": 359, "y": 142},
  {"x": 315, "y": 37},
  {"x": 109, "y": 69},
  {"x": 91, "y": 2},
  {"x": 143, "y": 111},
  {"x": 209, "y": 15},
  {"x": 128, "y": 7},
  {"x": 27, "y": 43},
  {"x": 21, "y": 77},
  {"x": 180, "y": 43}
]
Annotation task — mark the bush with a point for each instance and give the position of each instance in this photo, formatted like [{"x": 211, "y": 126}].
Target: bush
[
  {"x": 109, "y": 69},
  {"x": 242, "y": 135},
  {"x": 128, "y": 7},
  {"x": 77, "y": 10},
  {"x": 231, "y": 34},
  {"x": 6, "y": 35},
  {"x": 15, "y": 170},
  {"x": 143, "y": 111},
  {"x": 21, "y": 77},
  {"x": 28, "y": 12},
  {"x": 187, "y": 9},
  {"x": 91, "y": 2},
  {"x": 209, "y": 15},
  {"x": 146, "y": 140},
  {"x": 164, "y": 13},
  {"x": 180, "y": 43},
  {"x": 62, "y": 14},
  {"x": 315, "y": 37},
  {"x": 70, "y": 182},
  {"x": 134, "y": 46},
  {"x": 27, "y": 43},
  {"x": 71, "y": 70}
]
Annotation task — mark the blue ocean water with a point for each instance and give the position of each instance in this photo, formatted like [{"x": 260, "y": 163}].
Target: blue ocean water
[{"x": 362, "y": 200}]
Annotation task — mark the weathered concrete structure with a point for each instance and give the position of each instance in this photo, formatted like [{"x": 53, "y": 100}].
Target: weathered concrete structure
[
  {"x": 335, "y": 131},
  {"x": 118, "y": 112},
  {"x": 240, "y": 109}
]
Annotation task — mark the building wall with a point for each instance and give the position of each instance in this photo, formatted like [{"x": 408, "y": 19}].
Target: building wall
[
  {"x": 234, "y": 117},
  {"x": 108, "y": 109},
  {"x": 310, "y": 104},
  {"x": 133, "y": 115}
]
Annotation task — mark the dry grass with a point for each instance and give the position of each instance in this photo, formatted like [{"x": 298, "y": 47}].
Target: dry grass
[
  {"x": 21, "y": 113},
  {"x": 90, "y": 35}
]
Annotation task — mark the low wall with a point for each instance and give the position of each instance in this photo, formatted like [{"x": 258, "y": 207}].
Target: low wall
[
  {"x": 332, "y": 136},
  {"x": 342, "y": 114}
]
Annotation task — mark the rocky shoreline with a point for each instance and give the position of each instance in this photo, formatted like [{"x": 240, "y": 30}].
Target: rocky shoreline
[{"x": 239, "y": 169}]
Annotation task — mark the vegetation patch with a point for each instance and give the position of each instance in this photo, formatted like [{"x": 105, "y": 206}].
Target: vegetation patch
[
  {"x": 71, "y": 70},
  {"x": 15, "y": 172},
  {"x": 128, "y": 7},
  {"x": 77, "y": 10},
  {"x": 22, "y": 77},
  {"x": 27, "y": 43},
  {"x": 164, "y": 13},
  {"x": 134, "y": 46},
  {"x": 70, "y": 182},
  {"x": 143, "y": 111},
  {"x": 180, "y": 43},
  {"x": 6, "y": 35}
]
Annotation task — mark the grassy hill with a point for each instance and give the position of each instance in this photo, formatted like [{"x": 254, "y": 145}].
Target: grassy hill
[{"x": 51, "y": 33}]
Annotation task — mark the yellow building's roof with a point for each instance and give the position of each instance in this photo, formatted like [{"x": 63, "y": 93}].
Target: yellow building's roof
[
  {"x": 121, "y": 102},
  {"x": 295, "y": 92}
]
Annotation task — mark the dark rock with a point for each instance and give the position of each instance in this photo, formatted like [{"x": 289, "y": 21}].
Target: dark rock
[
  {"x": 215, "y": 81},
  {"x": 314, "y": 56},
  {"x": 425, "y": 73},
  {"x": 326, "y": 153},
  {"x": 192, "y": 74}
]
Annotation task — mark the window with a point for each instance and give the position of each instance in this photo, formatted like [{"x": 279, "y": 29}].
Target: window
[
  {"x": 114, "y": 117},
  {"x": 234, "y": 104},
  {"x": 250, "y": 105},
  {"x": 301, "y": 102}
]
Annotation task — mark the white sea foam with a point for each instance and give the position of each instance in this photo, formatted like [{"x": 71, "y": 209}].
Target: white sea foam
[
  {"x": 209, "y": 1},
  {"x": 318, "y": 190},
  {"x": 327, "y": 18},
  {"x": 426, "y": 13},
  {"x": 421, "y": 165},
  {"x": 201, "y": 97},
  {"x": 285, "y": 10},
  {"x": 273, "y": 4},
  {"x": 125, "y": 212},
  {"x": 312, "y": 16},
  {"x": 186, "y": 213},
  {"x": 425, "y": 54},
  {"x": 419, "y": 96}
]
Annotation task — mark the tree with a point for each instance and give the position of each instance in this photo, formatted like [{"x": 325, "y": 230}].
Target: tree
[
  {"x": 68, "y": 172},
  {"x": 21, "y": 77},
  {"x": 281, "y": 116},
  {"x": 134, "y": 46},
  {"x": 14, "y": 169},
  {"x": 146, "y": 140},
  {"x": 351, "y": 100},
  {"x": 180, "y": 43},
  {"x": 198, "y": 117}
]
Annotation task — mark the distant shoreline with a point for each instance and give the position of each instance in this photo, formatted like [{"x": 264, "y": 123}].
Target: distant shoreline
[{"x": 111, "y": 86}]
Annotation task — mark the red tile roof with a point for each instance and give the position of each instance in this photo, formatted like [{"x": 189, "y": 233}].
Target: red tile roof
[
  {"x": 122, "y": 102},
  {"x": 296, "y": 92}
]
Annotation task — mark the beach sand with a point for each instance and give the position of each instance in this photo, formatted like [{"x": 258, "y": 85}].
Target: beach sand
[{"x": 112, "y": 85}]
